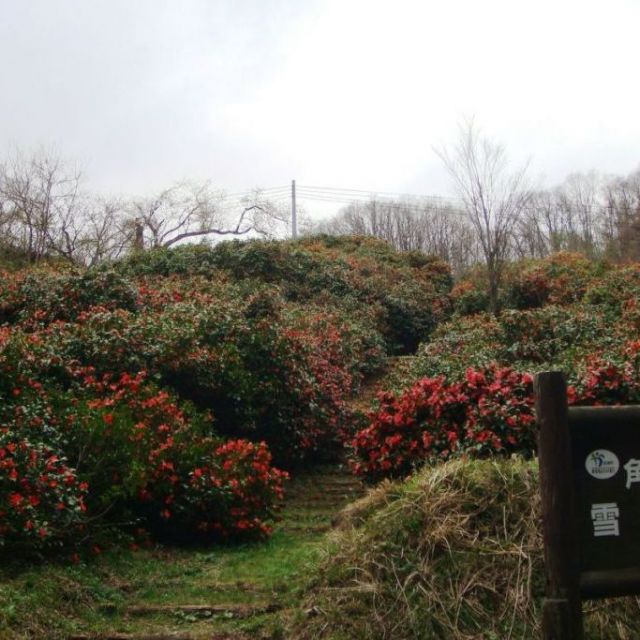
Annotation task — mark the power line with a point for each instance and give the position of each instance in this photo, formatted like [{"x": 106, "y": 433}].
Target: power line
[
  {"x": 257, "y": 190},
  {"x": 371, "y": 192},
  {"x": 366, "y": 195},
  {"x": 343, "y": 195},
  {"x": 419, "y": 202},
  {"x": 316, "y": 196},
  {"x": 331, "y": 194},
  {"x": 348, "y": 195},
  {"x": 410, "y": 202},
  {"x": 440, "y": 204},
  {"x": 397, "y": 206}
]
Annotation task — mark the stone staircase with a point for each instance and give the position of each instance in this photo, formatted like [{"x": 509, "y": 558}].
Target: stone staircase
[{"x": 312, "y": 503}]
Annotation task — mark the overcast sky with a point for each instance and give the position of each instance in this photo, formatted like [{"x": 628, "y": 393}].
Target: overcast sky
[{"x": 338, "y": 93}]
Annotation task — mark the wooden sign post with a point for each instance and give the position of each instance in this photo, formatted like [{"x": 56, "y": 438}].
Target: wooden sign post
[
  {"x": 590, "y": 484},
  {"x": 561, "y": 610}
]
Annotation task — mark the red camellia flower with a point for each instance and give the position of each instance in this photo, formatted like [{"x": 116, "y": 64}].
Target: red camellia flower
[
  {"x": 15, "y": 500},
  {"x": 490, "y": 412}
]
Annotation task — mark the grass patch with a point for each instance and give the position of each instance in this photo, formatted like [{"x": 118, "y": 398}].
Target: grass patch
[{"x": 55, "y": 600}]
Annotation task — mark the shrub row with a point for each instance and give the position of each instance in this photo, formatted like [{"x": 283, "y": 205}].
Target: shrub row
[
  {"x": 561, "y": 279},
  {"x": 120, "y": 449},
  {"x": 488, "y": 413},
  {"x": 156, "y": 391}
]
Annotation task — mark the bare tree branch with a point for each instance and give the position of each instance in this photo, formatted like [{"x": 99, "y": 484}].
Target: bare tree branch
[{"x": 493, "y": 198}]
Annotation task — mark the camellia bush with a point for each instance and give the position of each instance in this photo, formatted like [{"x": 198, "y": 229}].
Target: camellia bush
[
  {"x": 132, "y": 454},
  {"x": 403, "y": 294},
  {"x": 268, "y": 370},
  {"x": 487, "y": 413},
  {"x": 490, "y": 412},
  {"x": 610, "y": 380},
  {"x": 556, "y": 312},
  {"x": 562, "y": 278},
  {"x": 167, "y": 390},
  {"x": 42, "y": 500},
  {"x": 42, "y": 296}
]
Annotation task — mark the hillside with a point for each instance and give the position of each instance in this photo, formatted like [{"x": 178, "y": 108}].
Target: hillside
[
  {"x": 169, "y": 402},
  {"x": 197, "y": 370}
]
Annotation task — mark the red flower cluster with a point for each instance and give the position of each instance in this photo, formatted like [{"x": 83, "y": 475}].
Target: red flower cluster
[
  {"x": 162, "y": 463},
  {"x": 5, "y": 333},
  {"x": 605, "y": 382},
  {"x": 41, "y": 498},
  {"x": 240, "y": 478},
  {"x": 491, "y": 411}
]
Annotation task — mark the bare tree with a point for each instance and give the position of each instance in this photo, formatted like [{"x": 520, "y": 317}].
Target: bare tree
[
  {"x": 189, "y": 210},
  {"x": 579, "y": 203},
  {"x": 493, "y": 197},
  {"x": 44, "y": 213},
  {"x": 622, "y": 223},
  {"x": 41, "y": 205},
  {"x": 428, "y": 225},
  {"x": 107, "y": 232},
  {"x": 532, "y": 237}
]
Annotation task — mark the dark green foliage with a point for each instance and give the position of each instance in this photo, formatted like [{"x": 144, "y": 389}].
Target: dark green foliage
[
  {"x": 45, "y": 296},
  {"x": 404, "y": 292}
]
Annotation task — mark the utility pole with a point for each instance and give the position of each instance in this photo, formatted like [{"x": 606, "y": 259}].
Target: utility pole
[
  {"x": 294, "y": 215},
  {"x": 138, "y": 242}
]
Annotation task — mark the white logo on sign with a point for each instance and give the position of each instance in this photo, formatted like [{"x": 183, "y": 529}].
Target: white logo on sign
[{"x": 602, "y": 464}]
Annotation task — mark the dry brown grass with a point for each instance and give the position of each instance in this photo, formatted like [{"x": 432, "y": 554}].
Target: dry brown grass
[{"x": 454, "y": 552}]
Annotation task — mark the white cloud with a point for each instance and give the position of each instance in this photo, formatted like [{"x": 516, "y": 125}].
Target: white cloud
[{"x": 350, "y": 93}]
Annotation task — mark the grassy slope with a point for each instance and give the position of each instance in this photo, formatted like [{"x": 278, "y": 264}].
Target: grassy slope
[
  {"x": 454, "y": 552},
  {"x": 56, "y": 601}
]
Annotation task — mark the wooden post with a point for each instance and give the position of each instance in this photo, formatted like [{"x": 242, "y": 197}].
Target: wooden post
[{"x": 562, "y": 610}]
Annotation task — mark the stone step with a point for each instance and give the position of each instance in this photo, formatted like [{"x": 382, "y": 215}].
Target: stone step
[
  {"x": 245, "y": 587},
  {"x": 331, "y": 491},
  {"x": 320, "y": 497},
  {"x": 320, "y": 502},
  {"x": 337, "y": 498},
  {"x": 306, "y": 519},
  {"x": 332, "y": 488},
  {"x": 178, "y": 635},
  {"x": 321, "y": 528},
  {"x": 328, "y": 480},
  {"x": 232, "y": 610},
  {"x": 163, "y": 635}
]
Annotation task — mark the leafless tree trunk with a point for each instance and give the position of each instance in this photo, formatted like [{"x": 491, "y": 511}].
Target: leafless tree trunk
[
  {"x": 106, "y": 232},
  {"x": 622, "y": 196},
  {"x": 493, "y": 198}
]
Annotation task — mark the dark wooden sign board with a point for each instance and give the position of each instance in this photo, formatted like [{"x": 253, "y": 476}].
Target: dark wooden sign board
[{"x": 590, "y": 486}]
